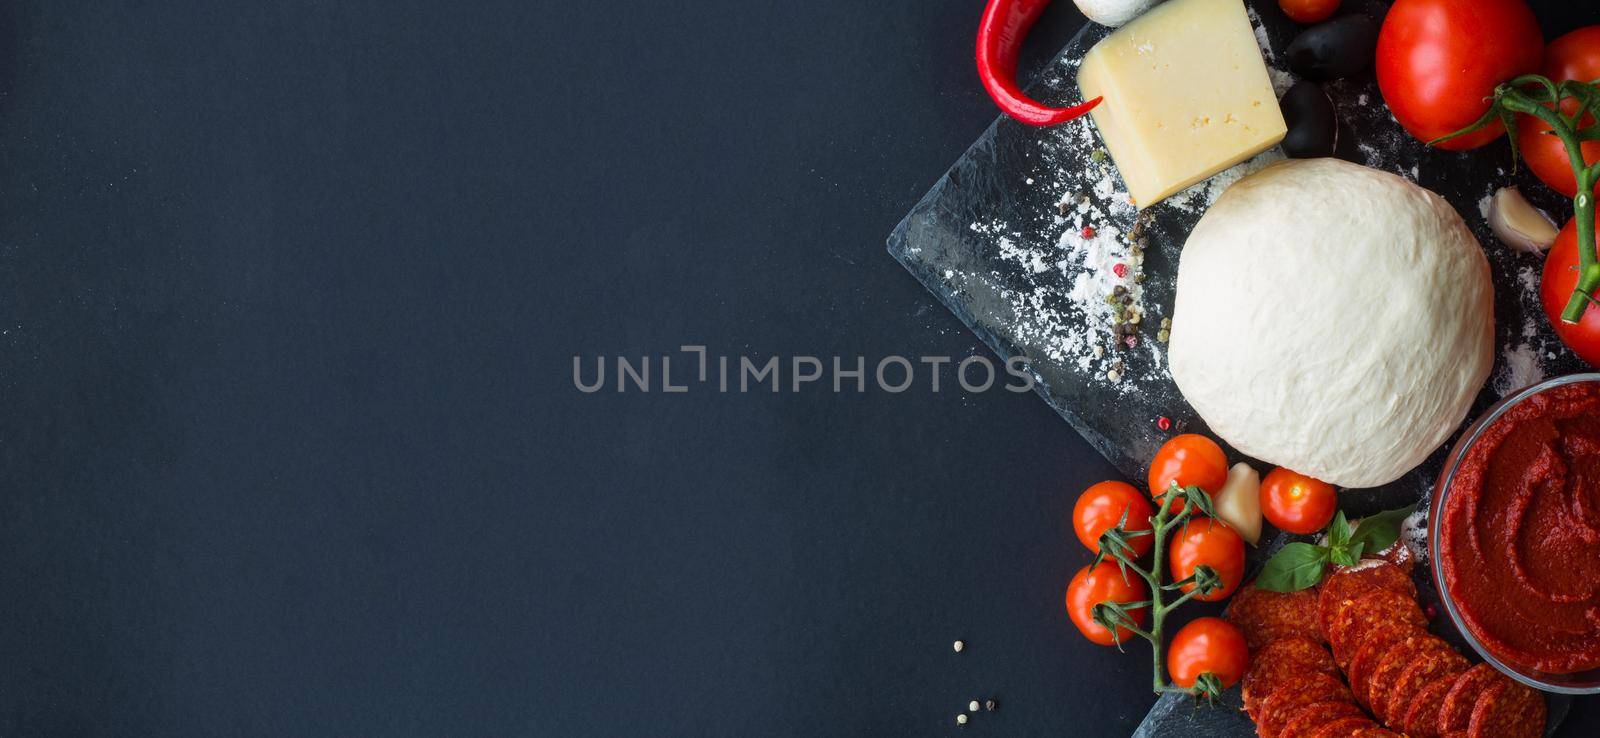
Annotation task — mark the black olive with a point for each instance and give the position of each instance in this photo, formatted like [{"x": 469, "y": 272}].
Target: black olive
[
  {"x": 1339, "y": 48},
  {"x": 1313, "y": 126}
]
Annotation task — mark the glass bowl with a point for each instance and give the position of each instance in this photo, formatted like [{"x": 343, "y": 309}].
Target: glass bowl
[{"x": 1585, "y": 682}]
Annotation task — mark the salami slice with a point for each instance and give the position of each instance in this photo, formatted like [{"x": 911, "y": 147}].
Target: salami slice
[
  {"x": 1508, "y": 710},
  {"x": 1265, "y": 616},
  {"x": 1455, "y": 712},
  {"x": 1379, "y": 639},
  {"x": 1383, "y": 677},
  {"x": 1277, "y": 708},
  {"x": 1347, "y": 585},
  {"x": 1436, "y": 665},
  {"x": 1307, "y": 720},
  {"x": 1421, "y": 718},
  {"x": 1283, "y": 661},
  {"x": 1342, "y": 727},
  {"x": 1357, "y": 616}
]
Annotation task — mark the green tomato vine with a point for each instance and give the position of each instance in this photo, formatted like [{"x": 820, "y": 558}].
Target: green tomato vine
[{"x": 1118, "y": 544}]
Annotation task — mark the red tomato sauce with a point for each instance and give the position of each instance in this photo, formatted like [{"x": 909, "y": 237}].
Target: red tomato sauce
[{"x": 1519, "y": 540}]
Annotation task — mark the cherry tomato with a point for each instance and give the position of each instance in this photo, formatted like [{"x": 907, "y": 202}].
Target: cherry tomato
[
  {"x": 1102, "y": 506},
  {"x": 1308, "y": 11},
  {"x": 1439, "y": 61},
  {"x": 1213, "y": 543},
  {"x": 1207, "y": 645},
  {"x": 1560, "y": 279},
  {"x": 1104, "y": 583},
  {"x": 1188, "y": 459},
  {"x": 1573, "y": 56},
  {"x": 1297, "y": 503}
]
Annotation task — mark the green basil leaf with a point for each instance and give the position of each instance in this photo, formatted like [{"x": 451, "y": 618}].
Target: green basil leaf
[
  {"x": 1296, "y": 567},
  {"x": 1339, "y": 531},
  {"x": 1378, "y": 532}
]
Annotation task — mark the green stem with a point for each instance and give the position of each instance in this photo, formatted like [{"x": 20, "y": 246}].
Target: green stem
[
  {"x": 1159, "y": 529},
  {"x": 1582, "y": 205},
  {"x": 1160, "y": 524}
]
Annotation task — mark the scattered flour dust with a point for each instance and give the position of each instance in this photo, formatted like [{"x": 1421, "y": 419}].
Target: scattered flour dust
[{"x": 1525, "y": 352}]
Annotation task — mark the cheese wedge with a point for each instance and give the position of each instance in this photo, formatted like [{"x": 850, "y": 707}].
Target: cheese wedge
[{"x": 1186, "y": 95}]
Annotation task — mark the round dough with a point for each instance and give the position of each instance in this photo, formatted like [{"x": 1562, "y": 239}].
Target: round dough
[
  {"x": 1332, "y": 319},
  {"x": 1113, "y": 12}
]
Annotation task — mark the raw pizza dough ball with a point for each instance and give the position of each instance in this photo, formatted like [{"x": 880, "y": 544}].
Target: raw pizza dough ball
[
  {"x": 1332, "y": 319},
  {"x": 1113, "y": 12}
]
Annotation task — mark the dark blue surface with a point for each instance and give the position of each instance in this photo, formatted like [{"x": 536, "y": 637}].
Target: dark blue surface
[{"x": 290, "y": 295}]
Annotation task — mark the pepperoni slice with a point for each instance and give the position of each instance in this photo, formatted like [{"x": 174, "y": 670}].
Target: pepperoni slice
[
  {"x": 1421, "y": 718},
  {"x": 1455, "y": 712},
  {"x": 1347, "y": 585},
  {"x": 1342, "y": 727},
  {"x": 1307, "y": 720},
  {"x": 1375, "y": 732},
  {"x": 1383, "y": 677},
  {"x": 1359, "y": 615},
  {"x": 1278, "y": 707},
  {"x": 1508, "y": 710},
  {"x": 1379, "y": 639},
  {"x": 1437, "y": 665},
  {"x": 1265, "y": 616},
  {"x": 1283, "y": 661}
]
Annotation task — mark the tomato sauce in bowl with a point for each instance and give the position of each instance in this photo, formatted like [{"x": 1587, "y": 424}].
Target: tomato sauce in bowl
[{"x": 1515, "y": 535}]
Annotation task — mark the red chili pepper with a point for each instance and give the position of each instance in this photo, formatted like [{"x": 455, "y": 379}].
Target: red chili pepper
[
  {"x": 1088, "y": 231},
  {"x": 1164, "y": 423},
  {"x": 1119, "y": 269},
  {"x": 1000, "y": 35}
]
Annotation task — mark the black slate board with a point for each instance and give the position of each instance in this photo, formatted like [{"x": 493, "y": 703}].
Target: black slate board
[{"x": 979, "y": 238}]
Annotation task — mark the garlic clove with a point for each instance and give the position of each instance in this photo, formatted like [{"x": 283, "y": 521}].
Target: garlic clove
[
  {"x": 1238, "y": 503},
  {"x": 1519, "y": 224}
]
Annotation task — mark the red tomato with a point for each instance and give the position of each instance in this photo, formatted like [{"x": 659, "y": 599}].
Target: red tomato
[
  {"x": 1213, "y": 543},
  {"x": 1207, "y": 645},
  {"x": 1297, "y": 503},
  {"x": 1308, "y": 11},
  {"x": 1102, "y": 506},
  {"x": 1573, "y": 56},
  {"x": 1104, "y": 583},
  {"x": 1439, "y": 61},
  {"x": 1188, "y": 459},
  {"x": 1560, "y": 279}
]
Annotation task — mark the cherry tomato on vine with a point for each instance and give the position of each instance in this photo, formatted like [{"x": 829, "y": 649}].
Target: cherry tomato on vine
[
  {"x": 1573, "y": 56},
  {"x": 1555, "y": 288},
  {"x": 1102, "y": 506},
  {"x": 1296, "y": 503},
  {"x": 1105, "y": 583},
  {"x": 1440, "y": 60},
  {"x": 1308, "y": 11},
  {"x": 1188, "y": 459},
  {"x": 1207, "y": 645},
  {"x": 1213, "y": 543}
]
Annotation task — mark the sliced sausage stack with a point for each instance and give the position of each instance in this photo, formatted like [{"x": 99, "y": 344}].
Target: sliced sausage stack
[
  {"x": 1408, "y": 678},
  {"x": 1293, "y": 688},
  {"x": 1364, "y": 623}
]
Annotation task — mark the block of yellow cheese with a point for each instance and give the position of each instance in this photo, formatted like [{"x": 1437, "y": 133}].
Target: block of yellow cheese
[{"x": 1186, "y": 95}]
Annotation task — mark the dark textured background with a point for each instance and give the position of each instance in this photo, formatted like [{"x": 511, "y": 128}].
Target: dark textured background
[{"x": 290, "y": 295}]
